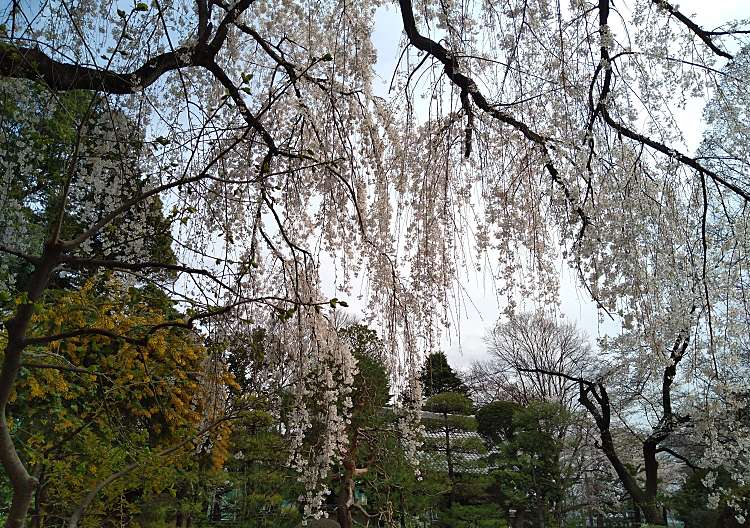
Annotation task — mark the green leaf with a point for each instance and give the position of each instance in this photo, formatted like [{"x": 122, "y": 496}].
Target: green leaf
[
  {"x": 246, "y": 90},
  {"x": 162, "y": 140},
  {"x": 246, "y": 77},
  {"x": 327, "y": 57},
  {"x": 344, "y": 304},
  {"x": 141, "y": 6},
  {"x": 121, "y": 13}
]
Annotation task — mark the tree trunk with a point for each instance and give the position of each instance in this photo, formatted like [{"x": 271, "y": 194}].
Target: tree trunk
[
  {"x": 37, "y": 519},
  {"x": 448, "y": 458},
  {"x": 401, "y": 514},
  {"x": 643, "y": 499},
  {"x": 539, "y": 517},
  {"x": 345, "y": 498},
  {"x": 216, "y": 506},
  {"x": 651, "y": 510},
  {"x": 22, "y": 483},
  {"x": 182, "y": 520},
  {"x": 636, "y": 515},
  {"x": 654, "y": 514}
]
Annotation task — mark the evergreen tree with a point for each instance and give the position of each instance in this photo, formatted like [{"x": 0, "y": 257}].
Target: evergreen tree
[
  {"x": 446, "y": 433},
  {"x": 525, "y": 446},
  {"x": 437, "y": 376}
]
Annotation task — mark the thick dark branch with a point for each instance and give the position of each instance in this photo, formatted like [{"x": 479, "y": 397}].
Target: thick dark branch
[
  {"x": 187, "y": 324},
  {"x": 682, "y": 158},
  {"x": 43, "y": 340},
  {"x": 463, "y": 82},
  {"x": 35, "y": 65},
  {"x": 558, "y": 374},
  {"x": 601, "y": 108},
  {"x": 53, "y": 366},
  {"x": 22, "y": 482},
  {"x": 204, "y": 17},
  {"x": 250, "y": 119},
  {"x": 233, "y": 13},
  {"x": 467, "y": 84},
  {"x": 729, "y": 32},
  {"x": 675, "y": 356},
  {"x": 702, "y": 34},
  {"x": 281, "y": 61},
  {"x": 263, "y": 43},
  {"x": 466, "y": 103},
  {"x": 586, "y": 388},
  {"x": 28, "y": 258}
]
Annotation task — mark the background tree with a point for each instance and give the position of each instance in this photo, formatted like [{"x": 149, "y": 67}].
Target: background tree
[
  {"x": 88, "y": 408},
  {"x": 257, "y": 487},
  {"x": 522, "y": 349},
  {"x": 525, "y": 450},
  {"x": 263, "y": 490},
  {"x": 444, "y": 426},
  {"x": 528, "y": 341},
  {"x": 437, "y": 376}
]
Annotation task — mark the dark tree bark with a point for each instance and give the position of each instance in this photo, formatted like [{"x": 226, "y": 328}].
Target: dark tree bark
[
  {"x": 21, "y": 481},
  {"x": 345, "y": 497},
  {"x": 449, "y": 459}
]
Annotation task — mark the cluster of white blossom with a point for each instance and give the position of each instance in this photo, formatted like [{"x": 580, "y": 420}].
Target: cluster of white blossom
[
  {"x": 410, "y": 428},
  {"x": 324, "y": 374}
]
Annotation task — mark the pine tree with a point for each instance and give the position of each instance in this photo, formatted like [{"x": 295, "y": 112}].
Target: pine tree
[{"x": 437, "y": 376}]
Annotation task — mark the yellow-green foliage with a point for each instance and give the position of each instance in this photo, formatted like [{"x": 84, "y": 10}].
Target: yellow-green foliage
[{"x": 88, "y": 406}]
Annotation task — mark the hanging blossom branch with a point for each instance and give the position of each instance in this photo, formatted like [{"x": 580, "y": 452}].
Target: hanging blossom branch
[
  {"x": 468, "y": 86},
  {"x": 601, "y": 107}
]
